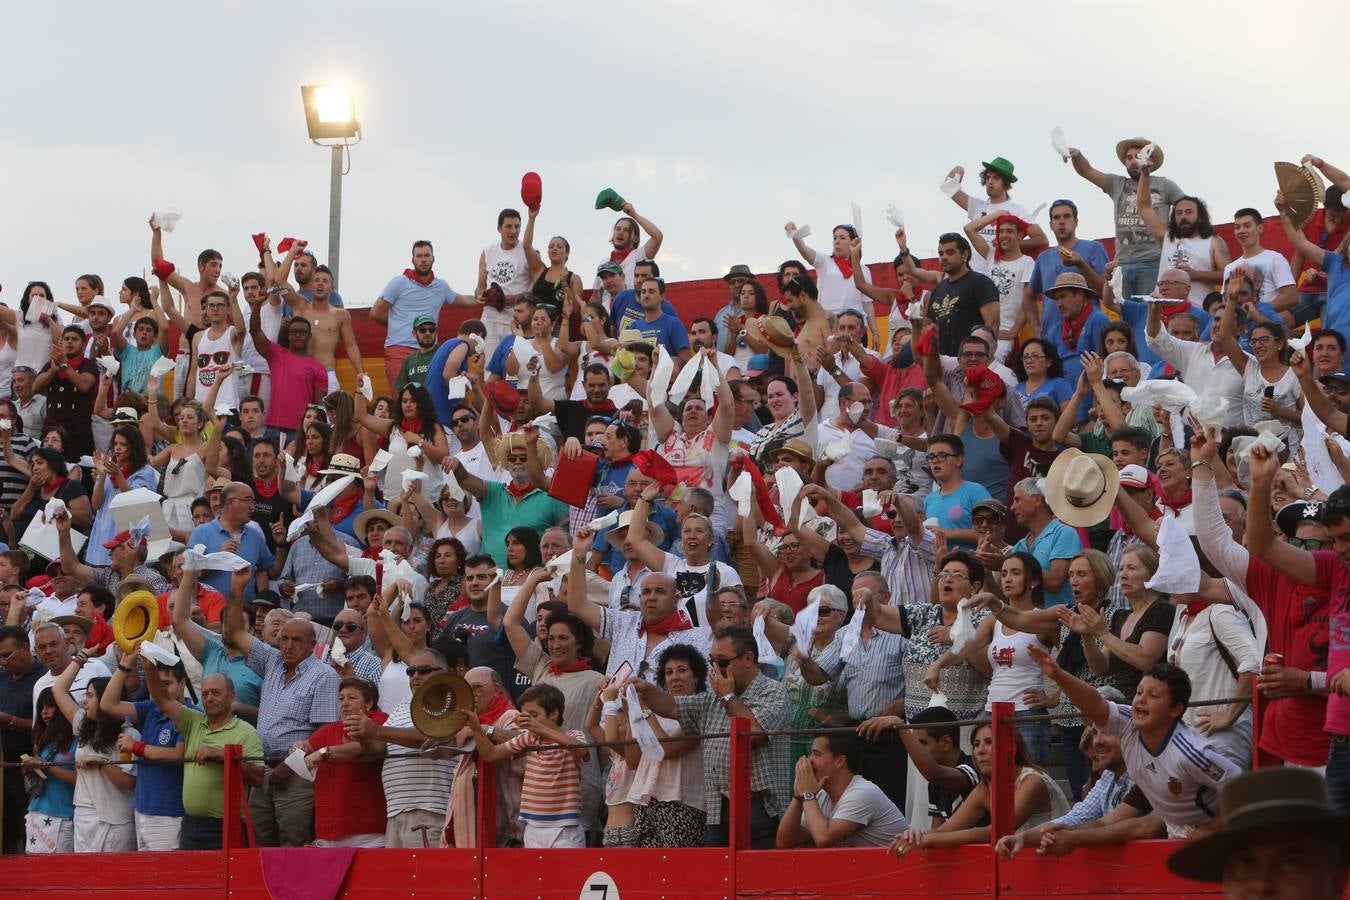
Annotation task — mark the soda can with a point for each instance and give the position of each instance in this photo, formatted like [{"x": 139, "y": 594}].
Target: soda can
[{"x": 1273, "y": 659}]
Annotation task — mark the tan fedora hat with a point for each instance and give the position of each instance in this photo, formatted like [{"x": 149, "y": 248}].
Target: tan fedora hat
[
  {"x": 1080, "y": 488},
  {"x": 342, "y": 464},
  {"x": 654, "y": 532},
  {"x": 1140, "y": 143},
  {"x": 775, "y": 331},
  {"x": 440, "y": 706}
]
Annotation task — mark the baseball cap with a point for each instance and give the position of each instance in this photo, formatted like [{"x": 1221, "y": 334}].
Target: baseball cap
[
  {"x": 423, "y": 320},
  {"x": 611, "y": 266},
  {"x": 1337, "y": 377},
  {"x": 993, "y": 506},
  {"x": 1134, "y": 476}
]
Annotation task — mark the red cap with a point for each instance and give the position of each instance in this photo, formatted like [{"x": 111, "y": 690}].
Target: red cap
[
  {"x": 504, "y": 397},
  {"x": 531, "y": 190},
  {"x": 658, "y": 468},
  {"x": 117, "y": 539}
]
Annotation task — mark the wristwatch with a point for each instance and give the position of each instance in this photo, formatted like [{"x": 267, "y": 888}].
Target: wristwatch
[
  {"x": 726, "y": 700},
  {"x": 490, "y": 730},
  {"x": 806, "y": 795},
  {"x": 325, "y": 753}
]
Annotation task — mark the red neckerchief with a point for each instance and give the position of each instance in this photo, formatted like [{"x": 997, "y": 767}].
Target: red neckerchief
[
  {"x": 371, "y": 553},
  {"x": 126, "y": 473},
  {"x": 676, "y": 621},
  {"x": 265, "y": 490},
  {"x": 1071, "y": 329},
  {"x": 496, "y": 709},
  {"x": 342, "y": 508},
  {"x": 845, "y": 265},
  {"x": 519, "y": 493},
  {"x": 620, "y": 462},
  {"x": 424, "y": 280},
  {"x": 312, "y": 467},
  {"x": 604, "y": 406},
  {"x": 54, "y": 485},
  {"x": 1177, "y": 505},
  {"x": 618, "y": 256},
  {"x": 1195, "y": 607},
  {"x": 581, "y": 665},
  {"x": 413, "y": 425},
  {"x": 1167, "y": 310}
]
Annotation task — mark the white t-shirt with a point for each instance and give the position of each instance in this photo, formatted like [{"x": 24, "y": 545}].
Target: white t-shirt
[
  {"x": 981, "y": 206},
  {"x": 852, "y": 368},
  {"x": 1194, "y": 650},
  {"x": 511, "y": 270},
  {"x": 691, "y": 583},
  {"x": 90, "y": 670},
  {"x": 1195, "y": 252},
  {"x": 1010, "y": 276},
  {"x": 1182, "y": 780},
  {"x": 865, "y": 803},
  {"x": 838, "y": 293},
  {"x": 94, "y": 790},
  {"x": 1274, "y": 269},
  {"x": 846, "y": 474}
]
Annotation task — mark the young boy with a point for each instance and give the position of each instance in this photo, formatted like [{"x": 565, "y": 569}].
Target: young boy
[
  {"x": 550, "y": 796},
  {"x": 935, "y": 750}
]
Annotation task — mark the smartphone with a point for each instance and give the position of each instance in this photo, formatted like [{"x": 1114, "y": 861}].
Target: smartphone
[
  {"x": 621, "y": 675},
  {"x": 1270, "y": 393}
]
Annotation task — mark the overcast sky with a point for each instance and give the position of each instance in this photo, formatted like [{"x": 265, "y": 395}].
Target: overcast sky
[{"x": 719, "y": 121}]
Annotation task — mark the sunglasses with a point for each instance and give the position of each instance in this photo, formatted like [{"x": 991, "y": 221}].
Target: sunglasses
[
  {"x": 427, "y": 329},
  {"x": 1310, "y": 544},
  {"x": 460, "y": 420},
  {"x": 346, "y": 626},
  {"x": 423, "y": 670}
]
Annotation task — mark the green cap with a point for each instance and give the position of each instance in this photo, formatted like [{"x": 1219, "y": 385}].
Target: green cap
[
  {"x": 610, "y": 266},
  {"x": 423, "y": 320}
]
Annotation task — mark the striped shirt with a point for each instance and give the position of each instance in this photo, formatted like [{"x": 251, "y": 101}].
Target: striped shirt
[
  {"x": 1105, "y": 796},
  {"x": 907, "y": 565},
  {"x": 412, "y": 781},
  {"x": 290, "y": 711},
  {"x": 551, "y": 791},
  {"x": 304, "y": 565},
  {"x": 872, "y": 675}
]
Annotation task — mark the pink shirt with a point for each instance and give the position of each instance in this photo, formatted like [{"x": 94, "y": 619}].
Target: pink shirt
[{"x": 294, "y": 380}]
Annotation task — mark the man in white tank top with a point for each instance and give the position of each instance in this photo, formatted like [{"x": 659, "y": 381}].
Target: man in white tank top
[
  {"x": 259, "y": 382},
  {"x": 219, "y": 345},
  {"x": 1188, "y": 244},
  {"x": 503, "y": 263}
]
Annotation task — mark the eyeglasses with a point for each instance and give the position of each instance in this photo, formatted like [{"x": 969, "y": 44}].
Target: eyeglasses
[
  {"x": 940, "y": 456},
  {"x": 346, "y": 626},
  {"x": 426, "y": 329},
  {"x": 721, "y": 663},
  {"x": 949, "y": 575},
  {"x": 1310, "y": 544},
  {"x": 423, "y": 670},
  {"x": 1261, "y": 339}
]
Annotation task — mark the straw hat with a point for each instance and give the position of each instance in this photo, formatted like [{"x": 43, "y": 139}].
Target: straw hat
[
  {"x": 136, "y": 620},
  {"x": 342, "y": 464},
  {"x": 369, "y": 515},
  {"x": 440, "y": 705},
  {"x": 1080, "y": 488},
  {"x": 1140, "y": 142},
  {"x": 654, "y": 532},
  {"x": 775, "y": 331}
]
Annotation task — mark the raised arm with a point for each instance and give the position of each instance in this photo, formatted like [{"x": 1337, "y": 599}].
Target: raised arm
[
  {"x": 1334, "y": 175},
  {"x": 1156, "y": 227},
  {"x": 1322, "y": 407},
  {"x": 803, "y": 248},
  {"x": 1230, "y": 339},
  {"x": 513, "y": 622},
  {"x": 233, "y": 624},
  {"x": 157, "y": 253},
  {"x": 1091, "y": 704},
  {"x": 1311, "y": 252},
  {"x": 654, "y": 234},
  {"x": 111, "y": 703},
  {"x": 806, "y": 397},
  {"x": 1295, "y": 562},
  {"x": 651, "y": 556},
  {"x": 972, "y": 230},
  {"x": 70, "y": 563},
  {"x": 867, "y": 289},
  {"x": 1085, "y": 170},
  {"x": 577, "y": 604},
  {"x": 946, "y": 403}
]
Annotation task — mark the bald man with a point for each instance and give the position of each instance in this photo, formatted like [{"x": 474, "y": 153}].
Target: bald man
[{"x": 1171, "y": 298}]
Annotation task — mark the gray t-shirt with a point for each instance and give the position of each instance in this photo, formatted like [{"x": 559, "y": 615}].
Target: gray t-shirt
[
  {"x": 863, "y": 802},
  {"x": 1134, "y": 243}
]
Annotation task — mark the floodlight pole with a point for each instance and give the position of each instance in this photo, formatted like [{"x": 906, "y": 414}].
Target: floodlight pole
[{"x": 335, "y": 210}]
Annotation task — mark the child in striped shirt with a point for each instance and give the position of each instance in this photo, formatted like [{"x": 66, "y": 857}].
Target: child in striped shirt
[{"x": 550, "y": 796}]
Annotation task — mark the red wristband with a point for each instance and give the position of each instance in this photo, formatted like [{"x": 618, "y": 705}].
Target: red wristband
[{"x": 138, "y": 748}]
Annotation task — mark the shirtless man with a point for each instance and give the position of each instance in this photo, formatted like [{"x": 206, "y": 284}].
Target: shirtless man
[
  {"x": 330, "y": 324},
  {"x": 800, "y": 299},
  {"x": 209, "y": 263},
  {"x": 217, "y": 345}
]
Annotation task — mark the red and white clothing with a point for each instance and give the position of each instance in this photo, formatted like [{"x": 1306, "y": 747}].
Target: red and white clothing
[
  {"x": 698, "y": 459},
  {"x": 348, "y": 794},
  {"x": 1015, "y": 672},
  {"x": 837, "y": 291},
  {"x": 551, "y": 792}
]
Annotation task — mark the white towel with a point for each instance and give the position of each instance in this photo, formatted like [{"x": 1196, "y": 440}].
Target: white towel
[
  {"x": 684, "y": 381},
  {"x": 789, "y": 486},
  {"x": 55, "y": 509},
  {"x": 804, "y": 626},
  {"x": 457, "y": 387},
  {"x": 1321, "y": 469},
  {"x": 641, "y": 728},
  {"x": 871, "y": 503},
  {"x": 109, "y": 364},
  {"x": 707, "y": 386},
  {"x": 167, "y": 218},
  {"x": 963, "y": 629},
  {"x": 523, "y": 350},
  {"x": 1178, "y": 566},
  {"x": 857, "y": 218},
  {"x": 742, "y": 490},
  {"x": 453, "y": 489},
  {"x": 160, "y": 366},
  {"x": 196, "y": 559},
  {"x": 838, "y": 450},
  {"x": 295, "y": 761},
  {"x": 325, "y": 496},
  {"x": 608, "y": 520},
  {"x": 895, "y": 217},
  {"x": 380, "y": 461},
  {"x": 801, "y": 234},
  {"x": 157, "y": 654},
  {"x": 851, "y": 636},
  {"x": 658, "y": 386},
  {"x": 1059, "y": 143},
  {"x": 950, "y": 186},
  {"x": 338, "y": 652},
  {"x": 767, "y": 654}
]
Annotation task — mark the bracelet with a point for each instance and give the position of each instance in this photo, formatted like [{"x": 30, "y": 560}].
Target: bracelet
[
  {"x": 124, "y": 668},
  {"x": 1202, "y": 462},
  {"x": 138, "y": 748}
]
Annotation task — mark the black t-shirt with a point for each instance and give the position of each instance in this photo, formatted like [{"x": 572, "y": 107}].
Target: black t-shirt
[
  {"x": 838, "y": 572},
  {"x": 267, "y": 510},
  {"x": 955, "y": 307},
  {"x": 943, "y": 801},
  {"x": 572, "y": 416},
  {"x": 486, "y": 647}
]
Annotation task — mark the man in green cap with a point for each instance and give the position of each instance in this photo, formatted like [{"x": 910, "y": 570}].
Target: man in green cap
[
  {"x": 998, "y": 177},
  {"x": 414, "y": 368},
  {"x": 629, "y": 249}
]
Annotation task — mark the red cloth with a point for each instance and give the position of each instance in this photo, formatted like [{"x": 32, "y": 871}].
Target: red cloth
[
  {"x": 424, "y": 280},
  {"x": 305, "y": 873},
  {"x": 581, "y": 665},
  {"x": 767, "y": 508},
  {"x": 794, "y": 595},
  {"x": 845, "y": 265},
  {"x": 211, "y": 601},
  {"x": 1006, "y": 217},
  {"x": 676, "y": 621},
  {"x": 1071, "y": 329},
  {"x": 348, "y": 794},
  {"x": 658, "y": 468},
  {"x": 618, "y": 256},
  {"x": 287, "y": 242},
  {"x": 258, "y": 240},
  {"x": 923, "y": 344},
  {"x": 162, "y": 268},
  {"x": 984, "y": 387},
  {"x": 100, "y": 636},
  {"x": 342, "y": 506},
  {"x": 496, "y": 709},
  {"x": 1177, "y": 505}
]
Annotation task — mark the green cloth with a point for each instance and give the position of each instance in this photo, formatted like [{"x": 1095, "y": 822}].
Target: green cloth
[
  {"x": 502, "y": 512},
  {"x": 204, "y": 784},
  {"x": 414, "y": 368}
]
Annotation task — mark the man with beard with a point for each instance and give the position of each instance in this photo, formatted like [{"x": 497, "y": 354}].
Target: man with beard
[
  {"x": 1137, "y": 250},
  {"x": 963, "y": 299},
  {"x": 415, "y": 366},
  {"x": 417, "y": 292},
  {"x": 1188, "y": 242},
  {"x": 518, "y": 502},
  {"x": 272, "y": 506},
  {"x": 330, "y": 326},
  {"x": 292, "y": 365}
]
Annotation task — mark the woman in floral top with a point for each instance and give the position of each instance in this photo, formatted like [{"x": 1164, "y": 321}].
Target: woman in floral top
[
  {"x": 445, "y": 579},
  {"x": 960, "y": 575}
]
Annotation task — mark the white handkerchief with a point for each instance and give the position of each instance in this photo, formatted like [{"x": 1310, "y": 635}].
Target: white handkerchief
[
  {"x": 963, "y": 629},
  {"x": 161, "y": 365},
  {"x": 914, "y": 312},
  {"x": 479, "y": 344},
  {"x": 950, "y": 186},
  {"x": 32, "y": 597},
  {"x": 157, "y": 654},
  {"x": 1117, "y": 281},
  {"x": 167, "y": 218},
  {"x": 325, "y": 496},
  {"x": 223, "y": 409},
  {"x": 546, "y": 422},
  {"x": 789, "y": 486},
  {"x": 453, "y": 489},
  {"x": 608, "y": 520},
  {"x": 801, "y": 233},
  {"x": 1321, "y": 469},
  {"x": 839, "y": 449},
  {"x": 414, "y": 452},
  {"x": 1178, "y": 566},
  {"x": 887, "y": 448},
  {"x": 857, "y": 218},
  {"x": 109, "y": 364},
  {"x": 338, "y": 652},
  {"x": 407, "y": 606},
  {"x": 457, "y": 387},
  {"x": 523, "y": 351},
  {"x": 380, "y": 461},
  {"x": 683, "y": 381},
  {"x": 195, "y": 560},
  {"x": 308, "y": 586},
  {"x": 1059, "y": 143},
  {"x": 742, "y": 490},
  {"x": 87, "y": 461},
  {"x": 707, "y": 385},
  {"x": 6, "y": 425},
  {"x": 412, "y": 476},
  {"x": 658, "y": 386},
  {"x": 938, "y": 699},
  {"x": 364, "y": 386},
  {"x": 296, "y": 763},
  {"x": 851, "y": 635},
  {"x": 243, "y": 368},
  {"x": 895, "y": 217},
  {"x": 561, "y": 562},
  {"x": 1301, "y": 342},
  {"x": 641, "y": 728},
  {"x": 762, "y": 642},
  {"x": 496, "y": 579},
  {"x": 871, "y": 503},
  {"x": 55, "y": 509},
  {"x": 1165, "y": 392},
  {"x": 1146, "y": 154},
  {"x": 1267, "y": 439},
  {"x": 804, "y": 626}
]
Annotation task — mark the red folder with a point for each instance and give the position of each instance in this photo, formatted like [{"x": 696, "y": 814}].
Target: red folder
[{"x": 572, "y": 478}]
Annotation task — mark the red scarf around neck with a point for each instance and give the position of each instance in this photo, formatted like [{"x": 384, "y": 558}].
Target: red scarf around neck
[
  {"x": 1072, "y": 329},
  {"x": 53, "y": 486},
  {"x": 519, "y": 493},
  {"x": 413, "y": 425},
  {"x": 618, "y": 256},
  {"x": 604, "y": 406},
  {"x": 496, "y": 709},
  {"x": 581, "y": 665},
  {"x": 845, "y": 265},
  {"x": 342, "y": 508},
  {"x": 676, "y": 621},
  {"x": 424, "y": 280},
  {"x": 312, "y": 467},
  {"x": 1195, "y": 608},
  {"x": 265, "y": 489},
  {"x": 1177, "y": 505}
]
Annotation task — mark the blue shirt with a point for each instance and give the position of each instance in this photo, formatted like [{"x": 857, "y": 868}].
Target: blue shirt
[
  {"x": 953, "y": 510},
  {"x": 667, "y": 330},
  {"x": 1057, "y": 541},
  {"x": 626, "y": 307},
  {"x": 252, "y": 547},
  {"x": 1337, "y": 314},
  {"x": 497, "y": 365},
  {"x": 56, "y": 798},
  {"x": 437, "y": 384},
  {"x": 291, "y": 711},
  {"x": 1057, "y": 388},
  {"x": 663, "y": 516},
  {"x": 407, "y": 300},
  {"x": 1090, "y": 338},
  {"x": 1049, "y": 264},
  {"x": 159, "y": 786},
  {"x": 247, "y": 683}
]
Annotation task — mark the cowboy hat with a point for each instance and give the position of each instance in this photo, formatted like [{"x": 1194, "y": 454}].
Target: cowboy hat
[
  {"x": 341, "y": 464},
  {"x": 369, "y": 515},
  {"x": 775, "y": 331},
  {"x": 86, "y": 623},
  {"x": 440, "y": 706},
  {"x": 1156, "y": 158},
  {"x": 795, "y": 447},
  {"x": 1070, "y": 281},
  {"x": 1080, "y": 488},
  {"x": 136, "y": 620},
  {"x": 654, "y": 532},
  {"x": 1262, "y": 804}
]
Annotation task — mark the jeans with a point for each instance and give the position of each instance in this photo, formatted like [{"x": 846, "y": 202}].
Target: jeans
[
  {"x": 199, "y": 833},
  {"x": 1338, "y": 773},
  {"x": 1139, "y": 278},
  {"x": 1077, "y": 767},
  {"x": 763, "y": 827},
  {"x": 1036, "y": 735},
  {"x": 883, "y": 762}
]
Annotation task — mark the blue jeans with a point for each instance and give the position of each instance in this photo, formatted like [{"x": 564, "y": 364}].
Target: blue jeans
[
  {"x": 763, "y": 828},
  {"x": 1139, "y": 278},
  {"x": 199, "y": 833},
  {"x": 1077, "y": 767},
  {"x": 1338, "y": 773},
  {"x": 1036, "y": 735}
]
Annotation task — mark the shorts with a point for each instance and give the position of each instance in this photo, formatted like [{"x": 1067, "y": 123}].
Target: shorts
[
  {"x": 158, "y": 832},
  {"x": 95, "y": 836},
  {"x": 49, "y": 834},
  {"x": 353, "y": 840},
  {"x": 554, "y": 836}
]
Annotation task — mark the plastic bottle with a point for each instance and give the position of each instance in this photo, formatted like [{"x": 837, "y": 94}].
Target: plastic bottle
[{"x": 126, "y": 755}]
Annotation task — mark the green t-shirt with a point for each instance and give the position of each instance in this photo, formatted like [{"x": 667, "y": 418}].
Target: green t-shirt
[
  {"x": 414, "y": 368},
  {"x": 204, "y": 784},
  {"x": 501, "y": 513}
]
